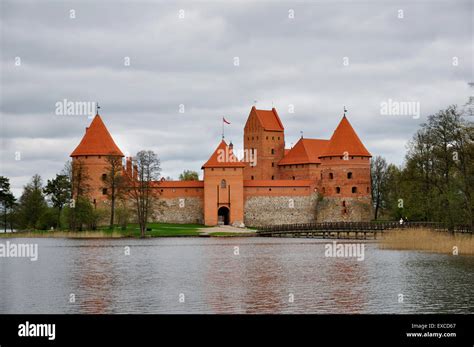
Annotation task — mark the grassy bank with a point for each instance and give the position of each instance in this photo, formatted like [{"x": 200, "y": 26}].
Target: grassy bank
[
  {"x": 132, "y": 230},
  {"x": 428, "y": 240}
]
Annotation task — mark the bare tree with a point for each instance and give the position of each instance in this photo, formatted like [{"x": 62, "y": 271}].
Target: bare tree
[
  {"x": 141, "y": 186},
  {"x": 113, "y": 183},
  {"x": 80, "y": 189},
  {"x": 378, "y": 170}
]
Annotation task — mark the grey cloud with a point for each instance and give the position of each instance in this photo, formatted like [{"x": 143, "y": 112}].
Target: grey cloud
[{"x": 190, "y": 61}]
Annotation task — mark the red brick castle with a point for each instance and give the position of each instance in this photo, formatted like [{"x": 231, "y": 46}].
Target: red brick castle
[{"x": 315, "y": 181}]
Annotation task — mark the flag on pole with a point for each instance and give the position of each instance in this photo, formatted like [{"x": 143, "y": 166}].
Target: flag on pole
[{"x": 225, "y": 121}]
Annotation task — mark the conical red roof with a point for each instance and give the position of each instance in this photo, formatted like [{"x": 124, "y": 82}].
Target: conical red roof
[
  {"x": 97, "y": 141},
  {"x": 223, "y": 156},
  {"x": 344, "y": 140}
]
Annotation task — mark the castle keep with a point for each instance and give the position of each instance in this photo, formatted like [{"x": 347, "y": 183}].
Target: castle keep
[{"x": 317, "y": 180}]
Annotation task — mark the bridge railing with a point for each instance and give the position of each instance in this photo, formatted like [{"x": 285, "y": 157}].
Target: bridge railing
[{"x": 360, "y": 226}]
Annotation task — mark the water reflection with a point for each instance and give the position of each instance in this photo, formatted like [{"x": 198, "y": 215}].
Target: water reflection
[{"x": 268, "y": 276}]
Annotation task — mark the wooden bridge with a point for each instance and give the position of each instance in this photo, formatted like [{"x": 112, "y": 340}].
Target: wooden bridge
[{"x": 349, "y": 230}]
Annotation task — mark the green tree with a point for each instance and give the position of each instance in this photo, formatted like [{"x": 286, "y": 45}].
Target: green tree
[
  {"x": 188, "y": 175},
  {"x": 32, "y": 203},
  {"x": 7, "y": 200},
  {"x": 59, "y": 192}
]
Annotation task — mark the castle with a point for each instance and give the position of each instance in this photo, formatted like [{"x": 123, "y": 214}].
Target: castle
[{"x": 314, "y": 181}]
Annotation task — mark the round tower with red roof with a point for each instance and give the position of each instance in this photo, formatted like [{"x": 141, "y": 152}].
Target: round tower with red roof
[
  {"x": 345, "y": 176},
  {"x": 92, "y": 152}
]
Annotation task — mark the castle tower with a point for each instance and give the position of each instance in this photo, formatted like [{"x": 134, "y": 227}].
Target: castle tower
[
  {"x": 264, "y": 136},
  {"x": 345, "y": 176},
  {"x": 92, "y": 152},
  {"x": 223, "y": 187}
]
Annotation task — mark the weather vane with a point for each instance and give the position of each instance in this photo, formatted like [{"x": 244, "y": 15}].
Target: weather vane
[
  {"x": 345, "y": 110},
  {"x": 97, "y": 107}
]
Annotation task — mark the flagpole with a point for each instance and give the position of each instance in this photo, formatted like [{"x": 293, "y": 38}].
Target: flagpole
[{"x": 223, "y": 128}]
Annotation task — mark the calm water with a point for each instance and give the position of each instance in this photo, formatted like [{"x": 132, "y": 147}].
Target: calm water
[{"x": 214, "y": 280}]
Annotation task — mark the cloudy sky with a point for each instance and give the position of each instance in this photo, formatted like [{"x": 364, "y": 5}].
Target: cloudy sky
[{"x": 141, "y": 60}]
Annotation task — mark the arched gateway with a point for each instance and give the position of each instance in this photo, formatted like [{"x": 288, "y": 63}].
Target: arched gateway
[{"x": 223, "y": 215}]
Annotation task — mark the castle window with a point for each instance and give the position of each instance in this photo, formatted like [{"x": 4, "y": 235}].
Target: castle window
[
  {"x": 331, "y": 176},
  {"x": 278, "y": 137},
  {"x": 344, "y": 211},
  {"x": 252, "y": 137},
  {"x": 321, "y": 175},
  {"x": 349, "y": 175},
  {"x": 104, "y": 191},
  {"x": 251, "y": 177},
  {"x": 267, "y": 137},
  {"x": 273, "y": 164},
  {"x": 367, "y": 189},
  {"x": 269, "y": 189},
  {"x": 223, "y": 184},
  {"x": 343, "y": 204},
  {"x": 354, "y": 190},
  {"x": 212, "y": 169},
  {"x": 273, "y": 151},
  {"x": 257, "y": 138},
  {"x": 338, "y": 190},
  {"x": 293, "y": 177},
  {"x": 273, "y": 137},
  {"x": 104, "y": 177},
  {"x": 99, "y": 156},
  {"x": 273, "y": 177},
  {"x": 162, "y": 190},
  {"x": 324, "y": 190}
]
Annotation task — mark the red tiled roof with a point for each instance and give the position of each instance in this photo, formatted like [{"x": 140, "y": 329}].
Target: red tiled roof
[
  {"x": 178, "y": 184},
  {"x": 277, "y": 183},
  {"x": 97, "y": 141},
  {"x": 268, "y": 119},
  {"x": 223, "y": 157},
  {"x": 345, "y": 140},
  {"x": 306, "y": 151}
]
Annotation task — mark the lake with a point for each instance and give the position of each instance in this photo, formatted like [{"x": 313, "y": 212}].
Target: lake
[{"x": 211, "y": 275}]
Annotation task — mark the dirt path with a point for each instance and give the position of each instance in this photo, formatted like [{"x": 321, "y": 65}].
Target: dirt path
[{"x": 226, "y": 229}]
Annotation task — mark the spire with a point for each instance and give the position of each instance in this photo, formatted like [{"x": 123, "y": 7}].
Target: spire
[
  {"x": 344, "y": 141},
  {"x": 97, "y": 141}
]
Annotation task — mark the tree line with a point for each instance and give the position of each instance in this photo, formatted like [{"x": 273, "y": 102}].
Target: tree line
[{"x": 436, "y": 181}]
